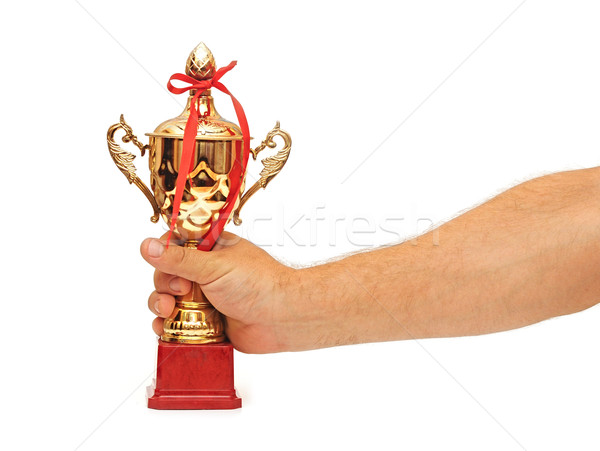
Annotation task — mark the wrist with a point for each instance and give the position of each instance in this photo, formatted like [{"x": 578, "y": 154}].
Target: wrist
[
  {"x": 310, "y": 304},
  {"x": 332, "y": 305}
]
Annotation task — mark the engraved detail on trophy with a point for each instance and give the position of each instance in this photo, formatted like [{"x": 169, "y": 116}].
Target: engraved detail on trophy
[
  {"x": 124, "y": 160},
  {"x": 201, "y": 63},
  {"x": 211, "y": 126},
  {"x": 193, "y": 325},
  {"x": 205, "y": 127},
  {"x": 272, "y": 165}
]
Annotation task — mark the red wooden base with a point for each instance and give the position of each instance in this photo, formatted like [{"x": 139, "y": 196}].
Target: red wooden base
[{"x": 190, "y": 376}]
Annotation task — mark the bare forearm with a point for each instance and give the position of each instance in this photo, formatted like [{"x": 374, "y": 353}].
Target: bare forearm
[{"x": 529, "y": 254}]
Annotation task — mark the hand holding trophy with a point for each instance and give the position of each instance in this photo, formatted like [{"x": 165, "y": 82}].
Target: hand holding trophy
[{"x": 197, "y": 177}]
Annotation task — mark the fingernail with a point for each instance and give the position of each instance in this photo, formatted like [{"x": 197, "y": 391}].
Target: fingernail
[
  {"x": 155, "y": 248},
  {"x": 156, "y": 307},
  {"x": 175, "y": 285}
]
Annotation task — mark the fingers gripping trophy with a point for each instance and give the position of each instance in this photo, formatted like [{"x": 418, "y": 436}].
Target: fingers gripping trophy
[{"x": 197, "y": 177}]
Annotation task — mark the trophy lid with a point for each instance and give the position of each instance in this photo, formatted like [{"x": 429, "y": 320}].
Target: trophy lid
[{"x": 200, "y": 65}]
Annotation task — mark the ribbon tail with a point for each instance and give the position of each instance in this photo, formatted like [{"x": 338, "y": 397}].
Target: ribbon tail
[
  {"x": 237, "y": 173},
  {"x": 187, "y": 154}
]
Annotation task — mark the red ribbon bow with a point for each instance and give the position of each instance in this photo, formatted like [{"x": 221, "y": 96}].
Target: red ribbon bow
[{"x": 189, "y": 143}]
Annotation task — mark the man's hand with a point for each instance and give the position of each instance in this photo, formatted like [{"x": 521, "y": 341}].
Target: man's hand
[{"x": 241, "y": 281}]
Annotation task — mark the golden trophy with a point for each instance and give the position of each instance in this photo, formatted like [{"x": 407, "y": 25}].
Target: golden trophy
[{"x": 197, "y": 166}]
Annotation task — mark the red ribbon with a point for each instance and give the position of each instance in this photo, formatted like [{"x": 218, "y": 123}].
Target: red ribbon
[{"x": 189, "y": 143}]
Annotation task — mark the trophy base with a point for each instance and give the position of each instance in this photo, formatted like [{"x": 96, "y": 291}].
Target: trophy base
[{"x": 193, "y": 377}]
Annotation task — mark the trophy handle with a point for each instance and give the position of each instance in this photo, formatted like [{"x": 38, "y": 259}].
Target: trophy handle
[
  {"x": 272, "y": 165},
  {"x": 124, "y": 160}
]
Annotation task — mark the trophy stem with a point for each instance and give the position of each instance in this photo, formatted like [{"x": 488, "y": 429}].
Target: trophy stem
[{"x": 194, "y": 319}]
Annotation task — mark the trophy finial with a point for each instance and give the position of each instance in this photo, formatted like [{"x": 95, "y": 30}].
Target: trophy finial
[{"x": 201, "y": 63}]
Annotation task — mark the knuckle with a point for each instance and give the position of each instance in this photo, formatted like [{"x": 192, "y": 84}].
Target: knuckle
[
  {"x": 152, "y": 299},
  {"x": 180, "y": 257},
  {"x": 192, "y": 264},
  {"x": 161, "y": 281},
  {"x": 186, "y": 262}
]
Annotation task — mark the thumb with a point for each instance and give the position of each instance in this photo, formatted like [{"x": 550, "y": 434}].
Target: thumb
[{"x": 192, "y": 264}]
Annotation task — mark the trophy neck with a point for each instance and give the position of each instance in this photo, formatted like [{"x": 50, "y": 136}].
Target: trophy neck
[{"x": 206, "y": 105}]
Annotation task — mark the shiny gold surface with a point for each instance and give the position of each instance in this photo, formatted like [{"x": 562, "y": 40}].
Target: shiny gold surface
[
  {"x": 211, "y": 126},
  {"x": 124, "y": 160},
  {"x": 201, "y": 63},
  {"x": 194, "y": 319},
  {"x": 272, "y": 165}
]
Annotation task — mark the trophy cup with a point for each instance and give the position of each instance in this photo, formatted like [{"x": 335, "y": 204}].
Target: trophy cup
[{"x": 197, "y": 177}]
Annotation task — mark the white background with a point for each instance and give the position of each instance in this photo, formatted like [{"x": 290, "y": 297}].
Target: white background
[{"x": 408, "y": 109}]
